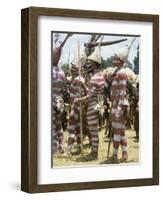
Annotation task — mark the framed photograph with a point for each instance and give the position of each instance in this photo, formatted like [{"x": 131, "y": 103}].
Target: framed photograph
[{"x": 90, "y": 99}]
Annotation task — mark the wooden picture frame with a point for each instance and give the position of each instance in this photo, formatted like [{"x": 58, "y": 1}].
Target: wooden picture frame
[{"x": 29, "y": 97}]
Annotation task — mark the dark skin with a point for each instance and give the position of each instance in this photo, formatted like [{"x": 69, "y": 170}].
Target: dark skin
[
  {"x": 92, "y": 63},
  {"x": 117, "y": 62},
  {"x": 95, "y": 66}
]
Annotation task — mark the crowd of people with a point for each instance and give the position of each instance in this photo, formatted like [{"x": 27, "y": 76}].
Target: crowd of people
[{"x": 84, "y": 90}]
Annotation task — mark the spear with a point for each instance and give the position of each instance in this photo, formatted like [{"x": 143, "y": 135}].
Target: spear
[
  {"x": 99, "y": 43},
  {"x": 130, "y": 45},
  {"x": 80, "y": 96}
]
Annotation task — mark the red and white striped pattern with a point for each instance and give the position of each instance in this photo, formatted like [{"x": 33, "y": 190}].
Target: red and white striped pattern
[
  {"x": 58, "y": 81},
  {"x": 57, "y": 132},
  {"x": 76, "y": 85},
  {"x": 74, "y": 121},
  {"x": 118, "y": 94},
  {"x": 96, "y": 88},
  {"x": 58, "y": 84}
]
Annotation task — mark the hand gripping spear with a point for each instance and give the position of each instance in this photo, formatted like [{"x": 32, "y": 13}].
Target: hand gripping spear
[{"x": 80, "y": 96}]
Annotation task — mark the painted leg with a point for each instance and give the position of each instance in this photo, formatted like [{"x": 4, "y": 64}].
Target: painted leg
[
  {"x": 116, "y": 143},
  {"x": 59, "y": 133},
  {"x": 124, "y": 147},
  {"x": 54, "y": 134},
  {"x": 92, "y": 118}
]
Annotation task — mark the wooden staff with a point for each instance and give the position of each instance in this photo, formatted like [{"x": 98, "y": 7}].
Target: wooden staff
[
  {"x": 129, "y": 47},
  {"x": 110, "y": 134}
]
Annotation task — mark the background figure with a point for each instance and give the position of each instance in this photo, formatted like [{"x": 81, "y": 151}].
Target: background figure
[
  {"x": 95, "y": 89},
  {"x": 118, "y": 98},
  {"x": 77, "y": 86},
  {"x": 58, "y": 85}
]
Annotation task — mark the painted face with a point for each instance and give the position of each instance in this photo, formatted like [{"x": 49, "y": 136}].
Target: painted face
[
  {"x": 74, "y": 70},
  {"x": 117, "y": 62},
  {"x": 88, "y": 63},
  {"x": 88, "y": 66}
]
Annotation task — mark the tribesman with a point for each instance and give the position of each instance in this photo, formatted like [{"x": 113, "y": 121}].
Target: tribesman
[
  {"x": 95, "y": 89},
  {"x": 77, "y": 88},
  {"x": 58, "y": 86},
  {"x": 119, "y": 106}
]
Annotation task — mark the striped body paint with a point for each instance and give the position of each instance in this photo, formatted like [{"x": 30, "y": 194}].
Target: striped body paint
[
  {"x": 74, "y": 121},
  {"x": 58, "y": 84},
  {"x": 118, "y": 95},
  {"x": 96, "y": 89}
]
